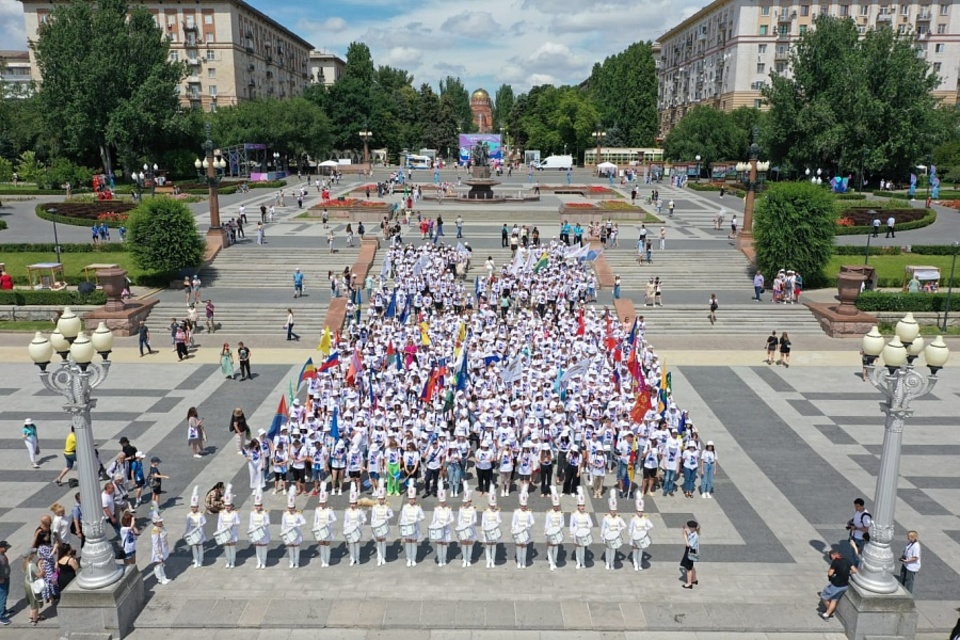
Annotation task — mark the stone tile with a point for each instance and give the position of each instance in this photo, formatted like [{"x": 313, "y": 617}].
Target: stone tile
[
  {"x": 196, "y": 614},
  {"x": 343, "y": 613},
  {"x": 633, "y": 615},
  {"x": 835, "y": 434},
  {"x": 402, "y": 614},
  {"x": 238, "y": 634},
  {"x": 165, "y": 405},
  {"x": 914, "y": 421},
  {"x": 922, "y": 503},
  {"x": 219, "y": 612},
  {"x": 254, "y": 613},
  {"x": 576, "y": 615},
  {"x": 197, "y": 378},
  {"x": 161, "y": 609},
  {"x": 605, "y": 615},
  {"x": 500, "y": 615},
  {"x": 470, "y": 614},
  {"x": 934, "y": 482},
  {"x": 539, "y": 615},
  {"x": 281, "y": 611},
  {"x": 951, "y": 450},
  {"x": 805, "y": 408},
  {"x": 773, "y": 380},
  {"x": 676, "y": 520}
]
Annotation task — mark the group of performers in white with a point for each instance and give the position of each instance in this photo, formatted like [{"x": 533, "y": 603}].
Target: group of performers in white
[{"x": 445, "y": 526}]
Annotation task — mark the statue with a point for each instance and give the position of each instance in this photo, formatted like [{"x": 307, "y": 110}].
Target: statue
[{"x": 480, "y": 155}]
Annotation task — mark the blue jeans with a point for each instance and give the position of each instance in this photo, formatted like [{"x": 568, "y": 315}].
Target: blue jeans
[
  {"x": 290, "y": 334},
  {"x": 616, "y": 292},
  {"x": 706, "y": 480},
  {"x": 623, "y": 476},
  {"x": 689, "y": 480},
  {"x": 756, "y": 292},
  {"x": 454, "y": 476},
  {"x": 4, "y": 592},
  {"x": 669, "y": 481},
  {"x": 906, "y": 578}
]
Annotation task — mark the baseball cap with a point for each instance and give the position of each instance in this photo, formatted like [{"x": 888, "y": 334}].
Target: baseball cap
[
  {"x": 154, "y": 459},
  {"x": 4, "y": 544}
]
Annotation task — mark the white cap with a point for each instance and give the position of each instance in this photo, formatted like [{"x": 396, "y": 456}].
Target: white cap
[
  {"x": 523, "y": 498},
  {"x": 228, "y": 495},
  {"x": 322, "y": 493},
  {"x": 639, "y": 503},
  {"x": 292, "y": 498},
  {"x": 554, "y": 496},
  {"x": 411, "y": 490},
  {"x": 258, "y": 498},
  {"x": 492, "y": 498},
  {"x": 612, "y": 501},
  {"x": 581, "y": 498},
  {"x": 354, "y": 493},
  {"x": 441, "y": 491},
  {"x": 710, "y": 443},
  {"x": 195, "y": 497}
]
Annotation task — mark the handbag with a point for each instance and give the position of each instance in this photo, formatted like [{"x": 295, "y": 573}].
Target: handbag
[
  {"x": 693, "y": 555},
  {"x": 38, "y": 586}
]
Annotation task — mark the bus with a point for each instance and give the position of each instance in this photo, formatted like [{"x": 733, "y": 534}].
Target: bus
[{"x": 418, "y": 162}]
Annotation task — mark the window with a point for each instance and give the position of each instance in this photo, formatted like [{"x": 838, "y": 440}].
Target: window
[
  {"x": 173, "y": 36},
  {"x": 844, "y": 10},
  {"x": 941, "y": 28},
  {"x": 211, "y": 73},
  {"x": 939, "y": 48},
  {"x": 174, "y": 56},
  {"x": 803, "y": 29},
  {"x": 211, "y": 54},
  {"x": 904, "y": 9},
  {"x": 936, "y": 67},
  {"x": 902, "y": 28},
  {"x": 824, "y": 10},
  {"x": 212, "y": 88},
  {"x": 781, "y": 67},
  {"x": 862, "y": 30},
  {"x": 764, "y": 11},
  {"x": 784, "y": 29},
  {"x": 757, "y": 103},
  {"x": 208, "y": 18},
  {"x": 864, "y": 9},
  {"x": 763, "y": 29},
  {"x": 804, "y": 10},
  {"x": 762, "y": 49},
  {"x": 944, "y": 9},
  {"x": 210, "y": 36},
  {"x": 761, "y": 68}
]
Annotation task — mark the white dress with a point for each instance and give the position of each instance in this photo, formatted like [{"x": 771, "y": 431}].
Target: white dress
[
  {"x": 293, "y": 521},
  {"x": 639, "y": 529},
  {"x": 229, "y": 520},
  {"x": 443, "y": 516},
  {"x": 467, "y": 518},
  {"x": 381, "y": 514},
  {"x": 412, "y": 515},
  {"x": 161, "y": 548},
  {"x": 324, "y": 517},
  {"x": 580, "y": 524},
  {"x": 490, "y": 520},
  {"x": 261, "y": 519},
  {"x": 196, "y": 521},
  {"x": 522, "y": 520},
  {"x": 353, "y": 519},
  {"x": 612, "y": 525},
  {"x": 552, "y": 522}
]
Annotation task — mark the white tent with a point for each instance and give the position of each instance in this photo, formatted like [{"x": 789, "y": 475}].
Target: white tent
[
  {"x": 329, "y": 163},
  {"x": 606, "y": 166}
]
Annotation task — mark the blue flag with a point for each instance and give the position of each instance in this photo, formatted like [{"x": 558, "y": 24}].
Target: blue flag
[
  {"x": 463, "y": 373},
  {"x": 335, "y": 424},
  {"x": 392, "y": 307},
  {"x": 405, "y": 313}
]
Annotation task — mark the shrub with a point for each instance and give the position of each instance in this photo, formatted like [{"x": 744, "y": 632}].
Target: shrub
[
  {"x": 109, "y": 247},
  {"x": 3, "y": 225},
  {"x": 928, "y": 218},
  {"x": 163, "y": 237},
  {"x": 82, "y": 214},
  {"x": 62, "y": 171},
  {"x": 25, "y": 297},
  {"x": 918, "y": 302},
  {"x": 794, "y": 224},
  {"x": 29, "y": 168},
  {"x": 933, "y": 249},
  {"x": 6, "y": 170},
  {"x": 850, "y": 196},
  {"x": 853, "y": 250}
]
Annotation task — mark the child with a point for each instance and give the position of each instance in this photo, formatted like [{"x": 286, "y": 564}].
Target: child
[
  {"x": 161, "y": 548},
  {"x": 136, "y": 472},
  {"x": 156, "y": 480}
]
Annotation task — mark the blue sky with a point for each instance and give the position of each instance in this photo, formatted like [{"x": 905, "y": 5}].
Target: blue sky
[{"x": 521, "y": 42}]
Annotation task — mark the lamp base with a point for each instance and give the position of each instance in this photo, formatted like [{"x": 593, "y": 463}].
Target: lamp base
[
  {"x": 865, "y": 614},
  {"x": 216, "y": 240},
  {"x": 107, "y": 613}
]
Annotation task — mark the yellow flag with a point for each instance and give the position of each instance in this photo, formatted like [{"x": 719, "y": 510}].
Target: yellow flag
[
  {"x": 425, "y": 334},
  {"x": 462, "y": 334},
  {"x": 324, "y": 346}
]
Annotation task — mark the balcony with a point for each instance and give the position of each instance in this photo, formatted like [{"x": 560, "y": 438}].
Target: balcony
[
  {"x": 783, "y": 36},
  {"x": 252, "y": 83},
  {"x": 269, "y": 74},
  {"x": 786, "y": 17},
  {"x": 781, "y": 56},
  {"x": 885, "y": 17},
  {"x": 923, "y": 16},
  {"x": 190, "y": 25},
  {"x": 269, "y": 59},
  {"x": 249, "y": 49}
]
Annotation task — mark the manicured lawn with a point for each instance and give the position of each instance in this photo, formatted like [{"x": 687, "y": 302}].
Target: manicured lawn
[
  {"x": 890, "y": 269},
  {"x": 73, "y": 263},
  {"x": 26, "y": 326}
]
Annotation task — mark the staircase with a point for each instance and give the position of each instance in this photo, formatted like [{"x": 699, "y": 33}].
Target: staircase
[
  {"x": 746, "y": 319},
  {"x": 253, "y": 266},
  {"x": 242, "y": 319}
]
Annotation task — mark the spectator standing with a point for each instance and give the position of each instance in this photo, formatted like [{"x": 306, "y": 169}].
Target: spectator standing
[
  {"x": 143, "y": 334},
  {"x": 859, "y": 528},
  {"x": 195, "y": 287},
  {"x": 757, "y": 285},
  {"x": 69, "y": 457},
  {"x": 691, "y": 553},
  {"x": 4, "y": 582},
  {"x": 243, "y": 354},
  {"x": 910, "y": 561},
  {"x": 32, "y": 441},
  {"x": 839, "y": 580},
  {"x": 714, "y": 305}
]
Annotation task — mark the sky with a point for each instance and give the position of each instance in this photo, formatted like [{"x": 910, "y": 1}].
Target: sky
[{"x": 486, "y": 43}]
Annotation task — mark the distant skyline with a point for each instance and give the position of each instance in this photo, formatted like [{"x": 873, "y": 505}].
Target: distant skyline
[{"x": 519, "y": 42}]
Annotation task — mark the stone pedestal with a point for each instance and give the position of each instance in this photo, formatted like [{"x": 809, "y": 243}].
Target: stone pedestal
[
  {"x": 868, "y": 615},
  {"x": 107, "y": 613},
  {"x": 121, "y": 316},
  {"x": 840, "y": 325},
  {"x": 216, "y": 241}
]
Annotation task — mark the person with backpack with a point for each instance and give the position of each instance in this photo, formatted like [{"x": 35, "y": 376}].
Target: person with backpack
[
  {"x": 714, "y": 305},
  {"x": 859, "y": 528}
]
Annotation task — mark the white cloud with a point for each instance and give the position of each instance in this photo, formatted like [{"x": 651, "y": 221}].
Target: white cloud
[
  {"x": 334, "y": 25},
  {"x": 472, "y": 24},
  {"x": 12, "y": 32},
  {"x": 403, "y": 57}
]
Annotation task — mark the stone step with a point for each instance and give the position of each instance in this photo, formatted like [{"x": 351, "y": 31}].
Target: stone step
[
  {"x": 757, "y": 319},
  {"x": 243, "y": 319}
]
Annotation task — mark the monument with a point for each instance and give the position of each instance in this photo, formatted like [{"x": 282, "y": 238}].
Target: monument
[
  {"x": 481, "y": 184},
  {"x": 121, "y": 316}
]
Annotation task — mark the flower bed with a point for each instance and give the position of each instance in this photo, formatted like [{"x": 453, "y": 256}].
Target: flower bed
[
  {"x": 350, "y": 202},
  {"x": 112, "y": 216},
  {"x": 580, "y": 205},
  {"x": 85, "y": 213},
  {"x": 616, "y": 205}
]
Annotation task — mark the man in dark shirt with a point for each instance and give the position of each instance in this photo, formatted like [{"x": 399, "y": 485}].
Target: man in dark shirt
[
  {"x": 144, "y": 334},
  {"x": 839, "y": 576},
  {"x": 129, "y": 454},
  {"x": 243, "y": 353}
]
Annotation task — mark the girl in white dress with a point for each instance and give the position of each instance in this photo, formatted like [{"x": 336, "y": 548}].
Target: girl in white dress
[
  {"x": 290, "y": 528},
  {"x": 488, "y": 522},
  {"x": 195, "y": 523},
  {"x": 553, "y": 525},
  {"x": 640, "y": 526},
  {"x": 228, "y": 521},
  {"x": 442, "y": 518},
  {"x": 467, "y": 521},
  {"x": 380, "y": 516},
  {"x": 353, "y": 520},
  {"x": 411, "y": 514},
  {"x": 323, "y": 519},
  {"x": 580, "y": 525},
  {"x": 611, "y": 527},
  {"x": 260, "y": 523},
  {"x": 161, "y": 547},
  {"x": 522, "y": 519}
]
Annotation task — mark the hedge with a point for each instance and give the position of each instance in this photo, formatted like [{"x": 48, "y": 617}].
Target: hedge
[
  {"x": 850, "y": 196},
  {"x": 925, "y": 221},
  {"x": 3, "y": 225},
  {"x": 933, "y": 249},
  {"x": 917, "y": 302},
  {"x": 42, "y": 213},
  {"x": 26, "y": 297},
  {"x": 23, "y": 247},
  {"x": 11, "y": 191},
  {"x": 854, "y": 250}
]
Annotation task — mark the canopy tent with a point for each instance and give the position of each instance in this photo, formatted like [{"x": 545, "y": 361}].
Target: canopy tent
[
  {"x": 329, "y": 163},
  {"x": 606, "y": 166}
]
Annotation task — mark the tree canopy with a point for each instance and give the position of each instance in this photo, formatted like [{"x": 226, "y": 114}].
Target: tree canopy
[
  {"x": 624, "y": 91},
  {"x": 853, "y": 101},
  {"x": 163, "y": 236},
  {"x": 709, "y": 133}
]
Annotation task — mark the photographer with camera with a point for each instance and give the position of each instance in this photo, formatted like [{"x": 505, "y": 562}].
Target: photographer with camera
[
  {"x": 859, "y": 528},
  {"x": 910, "y": 561}
]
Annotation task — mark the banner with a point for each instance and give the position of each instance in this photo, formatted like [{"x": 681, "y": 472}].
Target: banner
[{"x": 469, "y": 140}]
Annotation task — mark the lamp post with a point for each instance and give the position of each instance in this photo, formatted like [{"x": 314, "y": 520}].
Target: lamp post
[
  {"x": 953, "y": 267},
  {"x": 365, "y": 136},
  {"x": 598, "y": 135},
  {"x": 56, "y": 241},
  {"x": 216, "y": 235},
  {"x": 819, "y": 179},
  {"x": 866, "y": 257},
  {"x": 74, "y": 379},
  {"x": 754, "y": 169},
  {"x": 698, "y": 167},
  {"x": 900, "y": 383}
]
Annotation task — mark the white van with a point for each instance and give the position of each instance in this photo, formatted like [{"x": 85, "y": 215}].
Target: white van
[{"x": 556, "y": 162}]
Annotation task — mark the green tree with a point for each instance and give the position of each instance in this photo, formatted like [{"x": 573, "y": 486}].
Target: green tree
[
  {"x": 6, "y": 170},
  {"x": 108, "y": 86},
  {"x": 29, "y": 169},
  {"x": 706, "y": 132},
  {"x": 163, "y": 236},
  {"x": 457, "y": 98},
  {"x": 793, "y": 228},
  {"x": 853, "y": 102},
  {"x": 503, "y": 101},
  {"x": 624, "y": 89},
  {"x": 350, "y": 99}
]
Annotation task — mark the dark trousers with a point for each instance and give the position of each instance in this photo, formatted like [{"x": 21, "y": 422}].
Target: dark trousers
[
  {"x": 890, "y": 233},
  {"x": 144, "y": 343},
  {"x": 290, "y": 334},
  {"x": 430, "y": 477},
  {"x": 571, "y": 480},
  {"x": 245, "y": 369},
  {"x": 546, "y": 478},
  {"x": 484, "y": 479},
  {"x": 182, "y": 350}
]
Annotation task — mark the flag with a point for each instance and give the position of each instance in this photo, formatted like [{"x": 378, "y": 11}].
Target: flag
[
  {"x": 325, "y": 342},
  {"x": 575, "y": 371},
  {"x": 632, "y": 337},
  {"x": 426, "y": 394},
  {"x": 640, "y": 406},
  {"x": 331, "y": 362},
  {"x": 592, "y": 255},
  {"x": 335, "y": 424},
  {"x": 373, "y": 395},
  {"x": 406, "y": 312},
  {"x": 462, "y": 333},
  {"x": 616, "y": 378},
  {"x": 463, "y": 373},
  {"x": 490, "y": 359},
  {"x": 441, "y": 372},
  {"x": 308, "y": 372},
  {"x": 476, "y": 287},
  {"x": 513, "y": 370},
  {"x": 581, "y": 323},
  {"x": 542, "y": 262},
  {"x": 356, "y": 367},
  {"x": 391, "y": 355},
  {"x": 279, "y": 419},
  {"x": 575, "y": 253},
  {"x": 425, "y": 334},
  {"x": 290, "y": 392},
  {"x": 392, "y": 306}
]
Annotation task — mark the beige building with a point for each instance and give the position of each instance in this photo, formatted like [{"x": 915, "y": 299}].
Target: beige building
[
  {"x": 15, "y": 73},
  {"x": 722, "y": 55},
  {"x": 233, "y": 52},
  {"x": 325, "y": 68}
]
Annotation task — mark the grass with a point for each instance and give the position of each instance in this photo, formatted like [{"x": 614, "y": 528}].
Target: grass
[
  {"x": 890, "y": 269},
  {"x": 889, "y": 328},
  {"x": 73, "y": 263},
  {"x": 26, "y": 326}
]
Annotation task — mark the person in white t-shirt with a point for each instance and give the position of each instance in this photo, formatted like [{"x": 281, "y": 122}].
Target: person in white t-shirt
[{"x": 910, "y": 561}]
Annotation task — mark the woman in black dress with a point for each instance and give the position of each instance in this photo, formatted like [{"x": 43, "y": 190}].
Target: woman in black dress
[
  {"x": 784, "y": 350},
  {"x": 691, "y": 553}
]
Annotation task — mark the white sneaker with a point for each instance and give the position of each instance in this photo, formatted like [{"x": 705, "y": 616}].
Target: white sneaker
[
  {"x": 710, "y": 495},
  {"x": 352, "y": 562},
  {"x": 553, "y": 567},
  {"x": 324, "y": 565},
  {"x": 704, "y": 495},
  {"x": 636, "y": 568}
]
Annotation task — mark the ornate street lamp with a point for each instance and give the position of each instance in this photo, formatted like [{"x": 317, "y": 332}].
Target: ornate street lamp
[
  {"x": 698, "y": 167},
  {"x": 74, "y": 379},
  {"x": 598, "y": 135},
  {"x": 755, "y": 169},
  {"x": 365, "y": 136},
  {"x": 216, "y": 235}
]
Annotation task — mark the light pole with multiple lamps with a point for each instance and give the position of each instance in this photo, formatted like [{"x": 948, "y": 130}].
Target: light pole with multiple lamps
[
  {"x": 953, "y": 268},
  {"x": 74, "y": 379},
  {"x": 56, "y": 241},
  {"x": 365, "y": 135},
  {"x": 876, "y": 604},
  {"x": 216, "y": 235},
  {"x": 753, "y": 169},
  {"x": 816, "y": 179},
  {"x": 698, "y": 167},
  {"x": 598, "y": 135}
]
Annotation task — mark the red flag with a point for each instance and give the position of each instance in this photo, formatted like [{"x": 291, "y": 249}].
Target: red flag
[
  {"x": 356, "y": 367},
  {"x": 618, "y": 352},
  {"x": 640, "y": 406},
  {"x": 581, "y": 325}
]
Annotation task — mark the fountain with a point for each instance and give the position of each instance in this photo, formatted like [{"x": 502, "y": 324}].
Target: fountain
[{"x": 481, "y": 185}]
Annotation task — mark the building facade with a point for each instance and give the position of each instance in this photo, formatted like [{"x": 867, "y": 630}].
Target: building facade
[
  {"x": 325, "y": 68},
  {"x": 233, "y": 52},
  {"x": 15, "y": 73},
  {"x": 482, "y": 111},
  {"x": 722, "y": 56}
]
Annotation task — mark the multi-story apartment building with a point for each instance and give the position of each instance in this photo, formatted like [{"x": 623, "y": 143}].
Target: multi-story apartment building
[
  {"x": 233, "y": 51},
  {"x": 15, "y": 73},
  {"x": 722, "y": 55},
  {"x": 326, "y": 68}
]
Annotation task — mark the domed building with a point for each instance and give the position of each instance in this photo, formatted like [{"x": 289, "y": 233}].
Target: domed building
[{"x": 481, "y": 110}]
